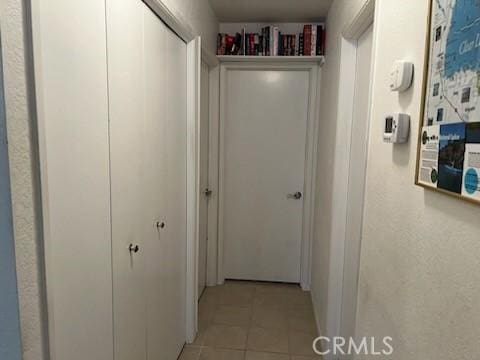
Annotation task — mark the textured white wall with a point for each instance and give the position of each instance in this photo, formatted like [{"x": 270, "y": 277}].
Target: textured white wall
[
  {"x": 341, "y": 12},
  {"x": 24, "y": 181},
  {"x": 420, "y": 267},
  {"x": 199, "y": 14},
  {"x": 10, "y": 344}
]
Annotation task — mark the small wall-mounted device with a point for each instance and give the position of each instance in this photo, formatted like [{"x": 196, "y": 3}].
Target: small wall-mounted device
[
  {"x": 401, "y": 76},
  {"x": 397, "y": 128}
]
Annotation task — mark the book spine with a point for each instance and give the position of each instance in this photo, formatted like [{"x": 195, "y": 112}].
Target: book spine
[
  {"x": 319, "y": 40},
  {"x": 314, "y": 41},
  {"x": 252, "y": 44},
  {"x": 267, "y": 41},
  {"x": 324, "y": 40},
  {"x": 271, "y": 40},
  {"x": 224, "y": 44},
  {"x": 276, "y": 40},
  {"x": 307, "y": 39},
  {"x": 300, "y": 44},
  {"x": 261, "y": 37},
  {"x": 264, "y": 41},
  {"x": 243, "y": 42}
]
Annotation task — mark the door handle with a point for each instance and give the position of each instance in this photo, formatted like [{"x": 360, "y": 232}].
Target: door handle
[
  {"x": 297, "y": 196},
  {"x": 208, "y": 192},
  {"x": 133, "y": 248}
]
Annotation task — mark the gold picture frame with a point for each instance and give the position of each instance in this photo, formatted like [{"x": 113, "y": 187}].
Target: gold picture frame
[{"x": 421, "y": 126}]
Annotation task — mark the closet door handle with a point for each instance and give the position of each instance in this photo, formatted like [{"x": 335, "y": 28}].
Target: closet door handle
[
  {"x": 160, "y": 224},
  {"x": 297, "y": 196},
  {"x": 133, "y": 248}
]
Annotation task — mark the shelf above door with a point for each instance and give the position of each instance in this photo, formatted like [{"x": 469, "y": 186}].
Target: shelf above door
[{"x": 279, "y": 59}]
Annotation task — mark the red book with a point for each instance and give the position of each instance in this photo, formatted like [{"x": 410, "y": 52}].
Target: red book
[
  {"x": 307, "y": 38},
  {"x": 230, "y": 41}
]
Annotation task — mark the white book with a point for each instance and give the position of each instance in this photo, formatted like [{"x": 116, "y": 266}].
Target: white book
[
  {"x": 275, "y": 41},
  {"x": 270, "y": 28},
  {"x": 314, "y": 40}
]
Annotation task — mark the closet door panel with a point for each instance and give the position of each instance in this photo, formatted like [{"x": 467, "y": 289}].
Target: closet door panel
[
  {"x": 175, "y": 238},
  {"x": 130, "y": 218},
  {"x": 155, "y": 60},
  {"x": 71, "y": 93}
]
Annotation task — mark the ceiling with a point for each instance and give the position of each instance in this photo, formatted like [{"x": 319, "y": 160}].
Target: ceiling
[{"x": 270, "y": 10}]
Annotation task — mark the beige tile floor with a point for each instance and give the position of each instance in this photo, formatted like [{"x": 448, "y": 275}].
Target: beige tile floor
[{"x": 254, "y": 321}]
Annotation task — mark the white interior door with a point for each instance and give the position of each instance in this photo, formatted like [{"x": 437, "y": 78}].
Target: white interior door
[
  {"x": 263, "y": 141},
  {"x": 204, "y": 185},
  {"x": 356, "y": 187},
  {"x": 129, "y": 192},
  {"x": 71, "y": 91},
  {"x": 173, "y": 239},
  {"x": 156, "y": 170}
]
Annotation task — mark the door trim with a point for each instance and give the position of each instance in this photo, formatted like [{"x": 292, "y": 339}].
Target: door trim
[
  {"x": 193, "y": 184},
  {"x": 348, "y": 64},
  {"x": 310, "y": 160},
  {"x": 214, "y": 104},
  {"x": 179, "y": 25}
]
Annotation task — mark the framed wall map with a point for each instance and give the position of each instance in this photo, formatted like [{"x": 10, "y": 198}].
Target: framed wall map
[{"x": 449, "y": 138}]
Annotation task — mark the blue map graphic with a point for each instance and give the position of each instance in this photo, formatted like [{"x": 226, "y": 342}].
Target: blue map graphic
[{"x": 463, "y": 42}]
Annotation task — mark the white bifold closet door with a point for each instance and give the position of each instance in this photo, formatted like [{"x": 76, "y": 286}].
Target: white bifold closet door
[{"x": 147, "y": 97}]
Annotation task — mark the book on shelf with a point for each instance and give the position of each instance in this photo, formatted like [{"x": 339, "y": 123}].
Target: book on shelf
[
  {"x": 270, "y": 41},
  {"x": 300, "y": 44}
]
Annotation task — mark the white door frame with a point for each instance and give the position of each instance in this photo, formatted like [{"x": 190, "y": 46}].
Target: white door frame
[
  {"x": 193, "y": 183},
  {"x": 213, "y": 82},
  {"x": 348, "y": 63},
  {"x": 310, "y": 163}
]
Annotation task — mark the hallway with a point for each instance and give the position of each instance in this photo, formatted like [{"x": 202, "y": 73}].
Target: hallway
[
  {"x": 254, "y": 321},
  {"x": 149, "y": 148}
]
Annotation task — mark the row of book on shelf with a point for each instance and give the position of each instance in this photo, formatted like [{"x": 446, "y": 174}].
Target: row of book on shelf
[{"x": 272, "y": 42}]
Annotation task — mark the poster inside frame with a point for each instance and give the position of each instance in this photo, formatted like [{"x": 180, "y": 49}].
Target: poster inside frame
[{"x": 448, "y": 157}]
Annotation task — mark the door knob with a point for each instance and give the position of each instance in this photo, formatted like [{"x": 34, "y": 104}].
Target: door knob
[
  {"x": 133, "y": 248},
  {"x": 297, "y": 196},
  {"x": 208, "y": 192},
  {"x": 160, "y": 224}
]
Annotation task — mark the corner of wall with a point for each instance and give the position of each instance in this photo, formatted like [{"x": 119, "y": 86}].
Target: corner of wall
[
  {"x": 324, "y": 266},
  {"x": 21, "y": 128}
]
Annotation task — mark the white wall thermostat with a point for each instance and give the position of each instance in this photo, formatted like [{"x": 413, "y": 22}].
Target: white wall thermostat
[
  {"x": 401, "y": 76},
  {"x": 397, "y": 128}
]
